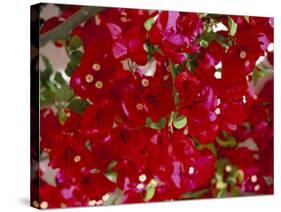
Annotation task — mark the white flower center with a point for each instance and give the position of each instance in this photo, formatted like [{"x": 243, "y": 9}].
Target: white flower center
[
  {"x": 89, "y": 78},
  {"x": 218, "y": 111},
  {"x": 254, "y": 178},
  {"x": 44, "y": 205},
  {"x": 140, "y": 186},
  {"x": 96, "y": 67},
  {"x": 142, "y": 178},
  {"x": 243, "y": 55},
  {"x": 145, "y": 82},
  {"x": 191, "y": 170},
  {"x": 77, "y": 158}
]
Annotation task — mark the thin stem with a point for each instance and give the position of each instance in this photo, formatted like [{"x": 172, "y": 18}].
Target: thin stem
[{"x": 174, "y": 74}]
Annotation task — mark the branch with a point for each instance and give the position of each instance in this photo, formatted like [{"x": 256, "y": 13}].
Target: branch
[{"x": 75, "y": 20}]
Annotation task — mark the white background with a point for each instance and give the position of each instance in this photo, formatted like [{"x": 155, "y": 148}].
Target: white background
[{"x": 14, "y": 102}]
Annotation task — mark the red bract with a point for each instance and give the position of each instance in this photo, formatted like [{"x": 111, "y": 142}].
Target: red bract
[
  {"x": 190, "y": 25},
  {"x": 129, "y": 44},
  {"x": 98, "y": 118},
  {"x": 96, "y": 39},
  {"x": 124, "y": 143},
  {"x": 235, "y": 104},
  {"x": 125, "y": 18},
  {"x": 188, "y": 87},
  {"x": 48, "y": 122},
  {"x": 235, "y": 65},
  {"x": 259, "y": 27},
  {"x": 89, "y": 186}
]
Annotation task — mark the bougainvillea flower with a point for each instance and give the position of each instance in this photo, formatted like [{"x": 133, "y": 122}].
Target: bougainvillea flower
[
  {"x": 96, "y": 38},
  {"x": 88, "y": 186},
  {"x": 188, "y": 87},
  {"x": 99, "y": 117},
  {"x": 203, "y": 117},
  {"x": 160, "y": 106},
  {"x": 124, "y": 143},
  {"x": 128, "y": 44},
  {"x": 50, "y": 197},
  {"x": 93, "y": 77},
  {"x": 144, "y": 98}
]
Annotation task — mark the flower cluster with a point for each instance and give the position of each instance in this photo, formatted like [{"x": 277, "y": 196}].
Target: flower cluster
[{"x": 175, "y": 106}]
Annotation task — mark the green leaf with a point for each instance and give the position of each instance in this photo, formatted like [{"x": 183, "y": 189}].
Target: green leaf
[
  {"x": 59, "y": 79},
  {"x": 232, "y": 26},
  {"x": 220, "y": 164},
  {"x": 180, "y": 122},
  {"x": 73, "y": 63},
  {"x": 239, "y": 175},
  {"x": 114, "y": 197},
  {"x": 195, "y": 194},
  {"x": 112, "y": 164},
  {"x": 149, "y": 23},
  {"x": 62, "y": 117},
  {"x": 204, "y": 43},
  {"x": 209, "y": 146},
  {"x": 156, "y": 125},
  {"x": 76, "y": 56},
  {"x": 223, "y": 40},
  {"x": 191, "y": 62},
  {"x": 112, "y": 176},
  {"x": 268, "y": 180},
  {"x": 46, "y": 74},
  {"x": 46, "y": 98},
  {"x": 78, "y": 105},
  {"x": 47, "y": 63},
  {"x": 70, "y": 68},
  {"x": 222, "y": 193},
  {"x": 75, "y": 42},
  {"x": 150, "y": 190},
  {"x": 64, "y": 93},
  {"x": 172, "y": 118},
  {"x": 235, "y": 191},
  {"x": 229, "y": 141},
  {"x": 257, "y": 73},
  {"x": 207, "y": 36}
]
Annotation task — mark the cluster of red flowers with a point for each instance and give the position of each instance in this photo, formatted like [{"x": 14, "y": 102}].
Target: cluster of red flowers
[{"x": 170, "y": 97}]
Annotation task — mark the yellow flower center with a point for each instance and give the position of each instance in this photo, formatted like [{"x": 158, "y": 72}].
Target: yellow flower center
[{"x": 99, "y": 84}]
